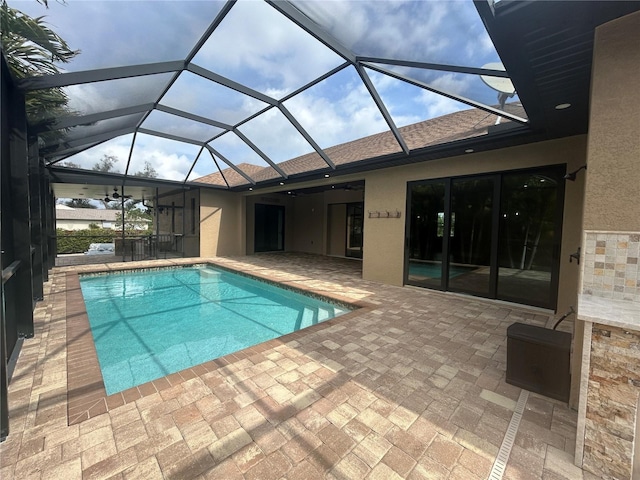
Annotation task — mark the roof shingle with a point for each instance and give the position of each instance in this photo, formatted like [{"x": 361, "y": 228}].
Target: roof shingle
[{"x": 436, "y": 131}]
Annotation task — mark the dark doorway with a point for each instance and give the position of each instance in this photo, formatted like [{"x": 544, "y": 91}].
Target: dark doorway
[
  {"x": 426, "y": 234},
  {"x": 355, "y": 224},
  {"x": 269, "y": 228}
]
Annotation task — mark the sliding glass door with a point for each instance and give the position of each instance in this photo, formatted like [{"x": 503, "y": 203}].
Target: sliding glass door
[
  {"x": 530, "y": 222},
  {"x": 426, "y": 235},
  {"x": 494, "y": 236},
  {"x": 471, "y": 235}
]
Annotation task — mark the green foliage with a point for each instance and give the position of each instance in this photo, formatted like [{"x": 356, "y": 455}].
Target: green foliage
[
  {"x": 105, "y": 164},
  {"x": 78, "y": 241},
  {"x": 135, "y": 220},
  {"x": 30, "y": 46},
  {"x": 148, "y": 171},
  {"x": 79, "y": 203}
]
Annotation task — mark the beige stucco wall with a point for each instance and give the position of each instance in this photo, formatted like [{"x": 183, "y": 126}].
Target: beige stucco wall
[
  {"x": 612, "y": 199},
  {"x": 221, "y": 224},
  {"x": 384, "y": 238},
  {"x": 306, "y": 227},
  {"x": 612, "y": 192},
  {"x": 336, "y": 229},
  {"x": 386, "y": 189},
  {"x": 308, "y": 221}
]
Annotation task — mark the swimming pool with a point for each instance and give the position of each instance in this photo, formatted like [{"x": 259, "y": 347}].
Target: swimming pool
[{"x": 147, "y": 324}]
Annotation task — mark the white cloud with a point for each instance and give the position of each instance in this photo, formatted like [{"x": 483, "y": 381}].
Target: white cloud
[
  {"x": 437, "y": 105},
  {"x": 340, "y": 117},
  {"x": 108, "y": 95},
  {"x": 235, "y": 150},
  {"x": 257, "y": 45},
  {"x": 118, "y": 147},
  {"x": 112, "y": 34},
  {"x": 172, "y": 160},
  {"x": 174, "y": 125},
  {"x": 425, "y": 30},
  {"x": 272, "y": 133},
  {"x": 453, "y": 83},
  {"x": 209, "y": 99}
]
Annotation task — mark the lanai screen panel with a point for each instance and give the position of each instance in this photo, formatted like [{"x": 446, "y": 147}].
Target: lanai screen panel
[
  {"x": 121, "y": 33},
  {"x": 258, "y": 47},
  {"x": 444, "y": 32},
  {"x": 116, "y": 149},
  {"x": 203, "y": 97},
  {"x": 262, "y": 90},
  {"x": 171, "y": 159},
  {"x": 338, "y": 110}
]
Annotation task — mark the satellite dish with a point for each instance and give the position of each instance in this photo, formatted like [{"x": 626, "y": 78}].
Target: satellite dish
[
  {"x": 499, "y": 84},
  {"x": 502, "y": 85}
]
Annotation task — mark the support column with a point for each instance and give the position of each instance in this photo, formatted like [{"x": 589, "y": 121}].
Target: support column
[
  {"x": 45, "y": 220},
  {"x": 51, "y": 226},
  {"x": 20, "y": 215},
  {"x": 608, "y": 437},
  {"x": 4, "y": 380},
  {"x": 36, "y": 222}
]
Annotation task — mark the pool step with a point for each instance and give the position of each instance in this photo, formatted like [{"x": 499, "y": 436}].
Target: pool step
[{"x": 208, "y": 273}]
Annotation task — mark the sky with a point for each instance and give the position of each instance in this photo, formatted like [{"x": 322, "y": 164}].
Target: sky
[{"x": 255, "y": 45}]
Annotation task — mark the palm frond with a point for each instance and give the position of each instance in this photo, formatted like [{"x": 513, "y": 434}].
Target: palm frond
[
  {"x": 30, "y": 46},
  {"x": 33, "y": 49}
]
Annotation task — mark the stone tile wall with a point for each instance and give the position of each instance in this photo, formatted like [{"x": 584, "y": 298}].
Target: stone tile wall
[
  {"x": 614, "y": 389},
  {"x": 610, "y": 271},
  {"x": 611, "y": 265}
]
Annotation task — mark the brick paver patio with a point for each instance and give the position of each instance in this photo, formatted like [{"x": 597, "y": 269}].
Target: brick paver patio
[{"x": 411, "y": 386}]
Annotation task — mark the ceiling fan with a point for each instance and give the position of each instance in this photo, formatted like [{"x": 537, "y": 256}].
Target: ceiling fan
[{"x": 116, "y": 196}]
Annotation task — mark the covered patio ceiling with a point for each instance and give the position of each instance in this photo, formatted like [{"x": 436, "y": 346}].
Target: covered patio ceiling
[{"x": 195, "y": 88}]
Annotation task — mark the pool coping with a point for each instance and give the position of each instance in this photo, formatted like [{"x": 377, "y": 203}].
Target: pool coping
[{"x": 86, "y": 394}]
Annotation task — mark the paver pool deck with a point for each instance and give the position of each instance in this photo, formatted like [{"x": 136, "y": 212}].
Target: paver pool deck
[{"x": 410, "y": 386}]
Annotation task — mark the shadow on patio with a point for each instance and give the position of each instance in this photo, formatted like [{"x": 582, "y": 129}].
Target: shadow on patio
[{"x": 412, "y": 387}]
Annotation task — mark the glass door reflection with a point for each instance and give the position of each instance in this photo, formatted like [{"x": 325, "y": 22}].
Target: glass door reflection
[
  {"x": 470, "y": 243},
  {"x": 428, "y": 221},
  {"x": 494, "y": 235},
  {"x": 529, "y": 242},
  {"x": 355, "y": 225}
]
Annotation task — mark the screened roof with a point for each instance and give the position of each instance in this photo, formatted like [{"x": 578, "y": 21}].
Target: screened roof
[{"x": 202, "y": 88}]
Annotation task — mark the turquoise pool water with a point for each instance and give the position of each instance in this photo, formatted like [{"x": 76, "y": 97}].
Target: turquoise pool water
[
  {"x": 149, "y": 324},
  {"x": 434, "y": 270}
]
